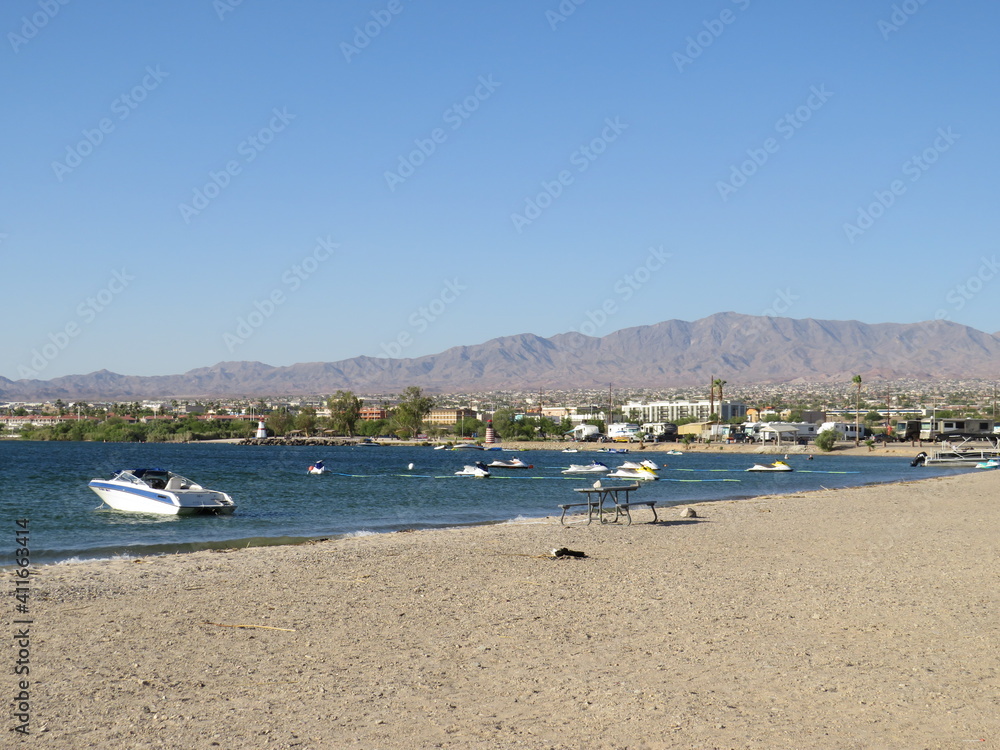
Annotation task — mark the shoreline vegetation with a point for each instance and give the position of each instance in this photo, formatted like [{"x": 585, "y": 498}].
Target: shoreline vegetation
[
  {"x": 211, "y": 435},
  {"x": 859, "y": 617}
]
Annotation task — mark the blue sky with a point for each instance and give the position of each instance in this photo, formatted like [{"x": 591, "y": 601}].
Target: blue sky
[{"x": 196, "y": 182}]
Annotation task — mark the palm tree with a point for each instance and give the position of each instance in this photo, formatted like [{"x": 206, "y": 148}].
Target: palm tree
[
  {"x": 857, "y": 411},
  {"x": 718, "y": 383}
]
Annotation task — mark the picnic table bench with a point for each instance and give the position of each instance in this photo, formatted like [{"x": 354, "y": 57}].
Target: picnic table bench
[{"x": 597, "y": 497}]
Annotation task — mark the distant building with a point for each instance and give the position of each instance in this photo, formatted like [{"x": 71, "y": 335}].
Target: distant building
[
  {"x": 814, "y": 416},
  {"x": 556, "y": 412},
  {"x": 372, "y": 413},
  {"x": 672, "y": 411},
  {"x": 448, "y": 416}
]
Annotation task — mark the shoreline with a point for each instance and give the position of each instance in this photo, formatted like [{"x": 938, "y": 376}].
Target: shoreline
[
  {"x": 859, "y": 617},
  {"x": 842, "y": 449},
  {"x": 254, "y": 542}
]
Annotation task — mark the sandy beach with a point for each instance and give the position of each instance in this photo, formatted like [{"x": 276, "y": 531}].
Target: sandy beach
[{"x": 859, "y": 618}]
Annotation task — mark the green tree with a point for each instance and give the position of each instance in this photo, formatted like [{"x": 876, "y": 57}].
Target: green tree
[
  {"x": 717, "y": 384},
  {"x": 826, "y": 440},
  {"x": 279, "y": 423},
  {"x": 504, "y": 424},
  {"x": 548, "y": 426},
  {"x": 372, "y": 427},
  {"x": 467, "y": 426},
  {"x": 413, "y": 406},
  {"x": 345, "y": 411},
  {"x": 857, "y": 411},
  {"x": 305, "y": 420}
]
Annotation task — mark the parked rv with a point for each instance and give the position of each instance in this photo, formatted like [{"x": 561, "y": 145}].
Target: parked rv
[
  {"x": 624, "y": 432},
  {"x": 846, "y": 430},
  {"x": 956, "y": 429},
  {"x": 660, "y": 432},
  {"x": 785, "y": 432},
  {"x": 908, "y": 430},
  {"x": 586, "y": 433}
]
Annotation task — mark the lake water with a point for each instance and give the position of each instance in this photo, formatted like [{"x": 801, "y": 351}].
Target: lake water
[{"x": 370, "y": 490}]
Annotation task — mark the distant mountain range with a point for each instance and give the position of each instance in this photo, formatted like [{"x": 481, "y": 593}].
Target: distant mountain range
[{"x": 742, "y": 349}]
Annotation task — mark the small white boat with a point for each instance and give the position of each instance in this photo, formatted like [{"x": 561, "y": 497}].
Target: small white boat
[
  {"x": 642, "y": 473},
  {"x": 475, "y": 470},
  {"x": 514, "y": 463},
  {"x": 651, "y": 465},
  {"x": 776, "y": 466},
  {"x": 675, "y": 453},
  {"x": 990, "y": 464},
  {"x": 467, "y": 447},
  {"x": 570, "y": 450},
  {"x": 594, "y": 467},
  {"x": 159, "y": 491},
  {"x": 442, "y": 447},
  {"x": 316, "y": 468}
]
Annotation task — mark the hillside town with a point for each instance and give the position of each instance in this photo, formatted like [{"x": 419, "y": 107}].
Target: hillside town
[{"x": 879, "y": 411}]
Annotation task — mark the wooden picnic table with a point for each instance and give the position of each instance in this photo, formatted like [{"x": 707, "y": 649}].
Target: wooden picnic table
[{"x": 597, "y": 497}]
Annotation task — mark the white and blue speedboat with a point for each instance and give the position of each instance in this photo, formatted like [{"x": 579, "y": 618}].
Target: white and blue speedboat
[{"x": 159, "y": 491}]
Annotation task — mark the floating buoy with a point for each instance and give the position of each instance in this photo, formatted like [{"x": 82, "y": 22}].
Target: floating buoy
[{"x": 410, "y": 467}]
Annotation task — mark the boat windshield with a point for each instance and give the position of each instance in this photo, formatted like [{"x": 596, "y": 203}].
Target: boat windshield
[{"x": 155, "y": 478}]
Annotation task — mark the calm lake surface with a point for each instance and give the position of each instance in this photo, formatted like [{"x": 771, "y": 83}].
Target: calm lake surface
[{"x": 370, "y": 490}]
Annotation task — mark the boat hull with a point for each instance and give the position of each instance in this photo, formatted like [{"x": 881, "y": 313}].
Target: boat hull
[
  {"x": 632, "y": 474},
  {"x": 163, "y": 502},
  {"x": 777, "y": 466},
  {"x": 577, "y": 469}
]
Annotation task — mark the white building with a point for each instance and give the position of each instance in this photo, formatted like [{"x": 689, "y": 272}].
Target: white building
[{"x": 671, "y": 411}]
